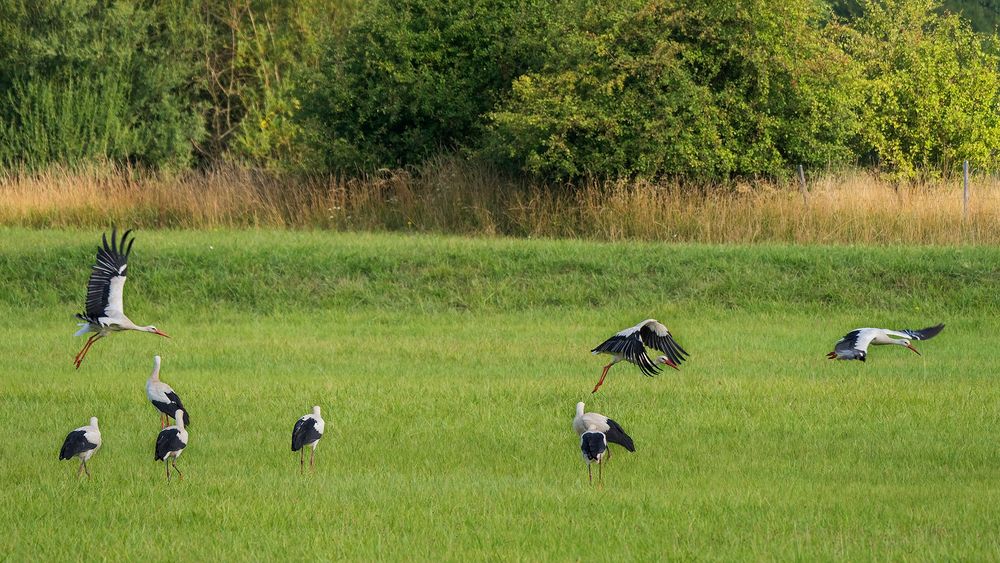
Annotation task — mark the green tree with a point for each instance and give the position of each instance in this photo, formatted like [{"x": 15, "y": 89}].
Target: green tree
[
  {"x": 86, "y": 80},
  {"x": 931, "y": 89},
  {"x": 415, "y": 77},
  {"x": 701, "y": 89}
]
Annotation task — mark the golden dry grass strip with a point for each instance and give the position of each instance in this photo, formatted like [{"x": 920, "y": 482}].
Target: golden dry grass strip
[{"x": 453, "y": 197}]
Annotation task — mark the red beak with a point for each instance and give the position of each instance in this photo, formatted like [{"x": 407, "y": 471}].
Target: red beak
[
  {"x": 672, "y": 364},
  {"x": 910, "y": 346},
  {"x": 161, "y": 333}
]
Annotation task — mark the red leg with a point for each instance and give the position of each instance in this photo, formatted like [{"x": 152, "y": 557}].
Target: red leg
[
  {"x": 163, "y": 421},
  {"x": 79, "y": 355},
  {"x": 86, "y": 348},
  {"x": 312, "y": 454},
  {"x": 603, "y": 375}
]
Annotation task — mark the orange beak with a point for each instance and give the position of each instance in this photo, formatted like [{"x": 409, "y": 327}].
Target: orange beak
[
  {"x": 163, "y": 334},
  {"x": 671, "y": 363},
  {"x": 910, "y": 346}
]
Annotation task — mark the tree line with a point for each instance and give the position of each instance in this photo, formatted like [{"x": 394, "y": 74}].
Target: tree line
[{"x": 552, "y": 90}]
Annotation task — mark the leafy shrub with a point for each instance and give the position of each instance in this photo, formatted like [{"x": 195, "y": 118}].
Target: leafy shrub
[{"x": 931, "y": 89}]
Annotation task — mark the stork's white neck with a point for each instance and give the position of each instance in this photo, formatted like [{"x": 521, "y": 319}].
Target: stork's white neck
[
  {"x": 579, "y": 409},
  {"x": 156, "y": 369}
]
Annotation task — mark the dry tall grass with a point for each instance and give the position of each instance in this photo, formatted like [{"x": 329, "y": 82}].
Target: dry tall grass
[{"x": 452, "y": 197}]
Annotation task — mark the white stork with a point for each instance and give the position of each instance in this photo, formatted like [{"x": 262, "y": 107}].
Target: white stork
[
  {"x": 82, "y": 443},
  {"x": 104, "y": 314},
  {"x": 307, "y": 432},
  {"x": 854, "y": 344},
  {"x": 163, "y": 397},
  {"x": 596, "y": 431},
  {"x": 630, "y": 345},
  {"x": 170, "y": 443}
]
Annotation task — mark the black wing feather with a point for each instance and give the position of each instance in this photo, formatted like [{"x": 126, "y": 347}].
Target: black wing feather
[
  {"x": 848, "y": 342},
  {"x": 304, "y": 433},
  {"x": 617, "y": 435},
  {"x": 75, "y": 443},
  {"x": 175, "y": 403},
  {"x": 924, "y": 333},
  {"x": 629, "y": 347},
  {"x": 168, "y": 440},
  {"x": 665, "y": 344},
  {"x": 112, "y": 261}
]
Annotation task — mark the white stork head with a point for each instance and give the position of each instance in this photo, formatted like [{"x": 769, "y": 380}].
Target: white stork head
[
  {"x": 316, "y": 410},
  {"x": 93, "y": 421},
  {"x": 579, "y": 408},
  {"x": 179, "y": 418},
  {"x": 155, "y": 376},
  {"x": 667, "y": 362},
  {"x": 154, "y": 330},
  {"x": 906, "y": 344}
]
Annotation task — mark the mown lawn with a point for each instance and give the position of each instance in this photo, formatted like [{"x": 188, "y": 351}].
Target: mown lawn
[{"x": 448, "y": 370}]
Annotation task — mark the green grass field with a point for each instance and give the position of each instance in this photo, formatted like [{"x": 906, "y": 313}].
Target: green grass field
[{"x": 448, "y": 370}]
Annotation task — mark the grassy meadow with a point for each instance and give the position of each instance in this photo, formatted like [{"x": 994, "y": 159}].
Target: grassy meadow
[{"x": 448, "y": 369}]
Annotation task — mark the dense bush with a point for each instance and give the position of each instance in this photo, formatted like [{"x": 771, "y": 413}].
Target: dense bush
[
  {"x": 702, "y": 89},
  {"x": 699, "y": 89},
  {"x": 931, "y": 89},
  {"x": 415, "y": 77},
  {"x": 88, "y": 80}
]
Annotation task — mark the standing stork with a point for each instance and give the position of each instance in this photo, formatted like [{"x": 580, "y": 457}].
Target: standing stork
[
  {"x": 854, "y": 344},
  {"x": 170, "y": 443},
  {"x": 105, "y": 314},
  {"x": 630, "y": 345},
  {"x": 82, "y": 443},
  {"x": 596, "y": 431},
  {"x": 307, "y": 432},
  {"x": 163, "y": 397}
]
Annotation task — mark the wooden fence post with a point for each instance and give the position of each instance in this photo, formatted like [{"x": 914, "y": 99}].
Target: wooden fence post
[
  {"x": 802, "y": 185},
  {"x": 965, "y": 190}
]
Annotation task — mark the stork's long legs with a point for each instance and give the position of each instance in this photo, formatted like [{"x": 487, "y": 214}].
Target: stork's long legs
[
  {"x": 312, "y": 454},
  {"x": 163, "y": 421},
  {"x": 79, "y": 470},
  {"x": 84, "y": 464},
  {"x": 179, "y": 474},
  {"x": 600, "y": 472},
  {"x": 302, "y": 461},
  {"x": 86, "y": 348},
  {"x": 590, "y": 474},
  {"x": 603, "y": 375},
  {"x": 166, "y": 463}
]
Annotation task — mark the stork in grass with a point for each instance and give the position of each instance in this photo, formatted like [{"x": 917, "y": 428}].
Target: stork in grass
[
  {"x": 82, "y": 443},
  {"x": 854, "y": 344},
  {"x": 163, "y": 397},
  {"x": 596, "y": 431},
  {"x": 105, "y": 314},
  {"x": 307, "y": 431},
  {"x": 170, "y": 443},
  {"x": 630, "y": 345}
]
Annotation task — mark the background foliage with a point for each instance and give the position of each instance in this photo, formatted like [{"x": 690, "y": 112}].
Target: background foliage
[{"x": 555, "y": 91}]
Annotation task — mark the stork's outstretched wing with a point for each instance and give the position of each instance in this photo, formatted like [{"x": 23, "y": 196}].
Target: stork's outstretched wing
[
  {"x": 630, "y": 347},
  {"x": 924, "y": 333},
  {"x": 104, "y": 290},
  {"x": 853, "y": 346},
  {"x": 655, "y": 335}
]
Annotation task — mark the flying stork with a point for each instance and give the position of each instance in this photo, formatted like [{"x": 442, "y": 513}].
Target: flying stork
[
  {"x": 596, "y": 431},
  {"x": 170, "y": 443},
  {"x": 630, "y": 345},
  {"x": 82, "y": 443},
  {"x": 854, "y": 344},
  {"x": 307, "y": 432},
  {"x": 163, "y": 397},
  {"x": 104, "y": 314}
]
